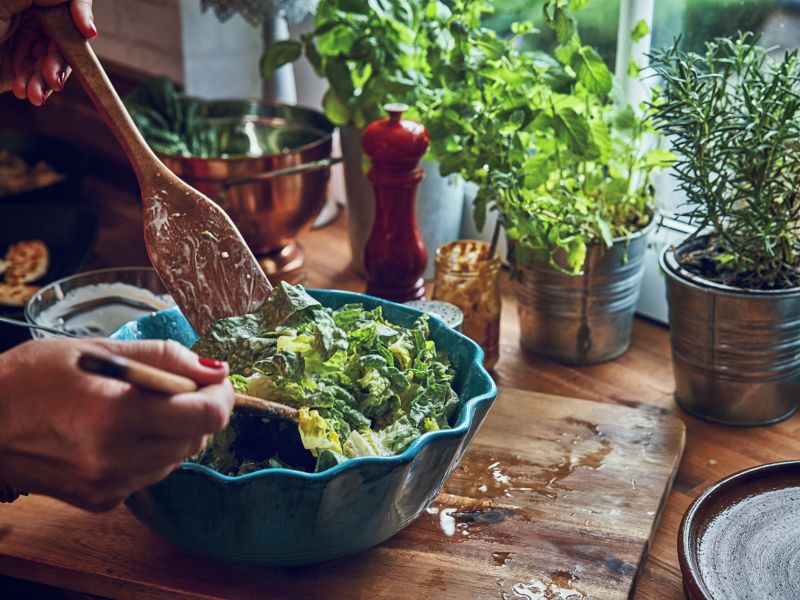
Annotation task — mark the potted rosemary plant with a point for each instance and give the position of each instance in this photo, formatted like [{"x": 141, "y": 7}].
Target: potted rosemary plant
[
  {"x": 567, "y": 165},
  {"x": 372, "y": 53},
  {"x": 733, "y": 287}
]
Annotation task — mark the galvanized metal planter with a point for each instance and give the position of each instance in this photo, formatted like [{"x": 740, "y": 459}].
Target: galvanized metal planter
[
  {"x": 582, "y": 319},
  {"x": 736, "y": 353}
]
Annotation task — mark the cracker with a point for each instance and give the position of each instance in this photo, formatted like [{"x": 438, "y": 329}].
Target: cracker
[
  {"x": 16, "y": 294},
  {"x": 27, "y": 261}
]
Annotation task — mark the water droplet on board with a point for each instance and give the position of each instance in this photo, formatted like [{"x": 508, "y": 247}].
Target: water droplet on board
[
  {"x": 497, "y": 473},
  {"x": 502, "y": 558},
  {"x": 446, "y": 521},
  {"x": 594, "y": 428},
  {"x": 560, "y": 585},
  {"x": 503, "y": 476}
]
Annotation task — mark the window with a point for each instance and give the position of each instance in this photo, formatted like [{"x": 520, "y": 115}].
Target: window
[
  {"x": 598, "y": 23},
  {"x": 701, "y": 20}
]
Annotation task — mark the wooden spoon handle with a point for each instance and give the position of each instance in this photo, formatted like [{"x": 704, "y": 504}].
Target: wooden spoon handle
[
  {"x": 266, "y": 407},
  {"x": 139, "y": 374},
  {"x": 59, "y": 26},
  {"x": 164, "y": 382}
]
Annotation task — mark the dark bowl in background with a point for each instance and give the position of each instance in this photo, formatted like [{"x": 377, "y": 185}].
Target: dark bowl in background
[
  {"x": 70, "y": 233},
  {"x": 65, "y": 157}
]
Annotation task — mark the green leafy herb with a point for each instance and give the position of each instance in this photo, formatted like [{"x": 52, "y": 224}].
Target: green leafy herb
[
  {"x": 733, "y": 114},
  {"x": 364, "y": 386},
  {"x": 279, "y": 53},
  {"x": 370, "y": 52},
  {"x": 640, "y": 31},
  {"x": 171, "y": 124},
  {"x": 549, "y": 140}
]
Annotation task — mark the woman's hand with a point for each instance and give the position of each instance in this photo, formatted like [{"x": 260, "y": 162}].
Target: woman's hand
[
  {"x": 90, "y": 440},
  {"x": 30, "y": 64}
]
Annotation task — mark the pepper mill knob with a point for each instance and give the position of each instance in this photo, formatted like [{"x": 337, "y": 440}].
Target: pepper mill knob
[{"x": 395, "y": 255}]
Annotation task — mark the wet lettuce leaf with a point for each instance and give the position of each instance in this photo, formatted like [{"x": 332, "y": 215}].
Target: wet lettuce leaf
[
  {"x": 364, "y": 386},
  {"x": 244, "y": 341}
]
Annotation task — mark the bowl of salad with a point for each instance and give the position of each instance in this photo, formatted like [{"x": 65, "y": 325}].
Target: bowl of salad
[{"x": 389, "y": 399}]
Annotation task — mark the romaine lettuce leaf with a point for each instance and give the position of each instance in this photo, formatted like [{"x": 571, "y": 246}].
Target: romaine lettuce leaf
[
  {"x": 364, "y": 386},
  {"x": 317, "y": 432}
]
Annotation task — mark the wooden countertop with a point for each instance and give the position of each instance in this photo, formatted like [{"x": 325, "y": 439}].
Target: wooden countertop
[{"x": 641, "y": 378}]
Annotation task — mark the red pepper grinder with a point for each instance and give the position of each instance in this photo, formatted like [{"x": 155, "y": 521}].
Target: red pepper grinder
[{"x": 395, "y": 254}]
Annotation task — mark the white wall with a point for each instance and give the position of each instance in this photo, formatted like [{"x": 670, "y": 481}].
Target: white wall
[
  {"x": 175, "y": 38},
  {"x": 220, "y": 59}
]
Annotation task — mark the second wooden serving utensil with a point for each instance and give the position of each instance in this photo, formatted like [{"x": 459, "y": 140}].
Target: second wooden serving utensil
[
  {"x": 163, "y": 382},
  {"x": 194, "y": 246}
]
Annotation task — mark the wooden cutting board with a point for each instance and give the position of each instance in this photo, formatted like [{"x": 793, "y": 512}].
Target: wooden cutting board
[{"x": 556, "y": 499}]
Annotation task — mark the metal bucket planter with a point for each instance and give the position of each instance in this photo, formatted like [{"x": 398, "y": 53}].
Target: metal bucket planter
[
  {"x": 582, "y": 319},
  {"x": 736, "y": 353}
]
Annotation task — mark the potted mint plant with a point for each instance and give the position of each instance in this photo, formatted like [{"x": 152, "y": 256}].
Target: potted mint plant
[
  {"x": 372, "y": 53},
  {"x": 733, "y": 287},
  {"x": 566, "y": 163}
]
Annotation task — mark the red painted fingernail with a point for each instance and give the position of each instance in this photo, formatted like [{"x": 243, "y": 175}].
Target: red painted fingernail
[
  {"x": 211, "y": 363},
  {"x": 92, "y": 28},
  {"x": 62, "y": 77}
]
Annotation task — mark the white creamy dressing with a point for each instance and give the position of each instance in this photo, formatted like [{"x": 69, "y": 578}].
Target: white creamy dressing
[{"x": 106, "y": 318}]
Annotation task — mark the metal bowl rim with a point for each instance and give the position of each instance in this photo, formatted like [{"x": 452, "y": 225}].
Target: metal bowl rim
[
  {"x": 460, "y": 429},
  {"x": 328, "y": 137}
]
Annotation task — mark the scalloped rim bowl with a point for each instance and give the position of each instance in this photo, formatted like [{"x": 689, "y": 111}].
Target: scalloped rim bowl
[{"x": 281, "y": 517}]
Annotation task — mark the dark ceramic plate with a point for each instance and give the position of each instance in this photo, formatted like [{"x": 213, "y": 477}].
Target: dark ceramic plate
[
  {"x": 279, "y": 517},
  {"x": 70, "y": 233},
  {"x": 66, "y": 158},
  {"x": 741, "y": 538}
]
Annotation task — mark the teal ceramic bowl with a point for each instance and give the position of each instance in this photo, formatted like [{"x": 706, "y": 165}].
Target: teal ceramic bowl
[{"x": 279, "y": 517}]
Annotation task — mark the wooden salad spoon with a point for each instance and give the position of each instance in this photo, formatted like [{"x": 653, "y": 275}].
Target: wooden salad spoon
[
  {"x": 193, "y": 245},
  {"x": 163, "y": 382}
]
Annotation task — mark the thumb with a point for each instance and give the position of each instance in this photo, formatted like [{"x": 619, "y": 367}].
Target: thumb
[{"x": 173, "y": 357}]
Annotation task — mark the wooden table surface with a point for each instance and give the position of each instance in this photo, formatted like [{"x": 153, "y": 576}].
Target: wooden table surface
[{"x": 641, "y": 378}]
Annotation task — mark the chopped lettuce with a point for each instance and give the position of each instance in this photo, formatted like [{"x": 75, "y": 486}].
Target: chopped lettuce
[
  {"x": 364, "y": 386},
  {"x": 317, "y": 432}
]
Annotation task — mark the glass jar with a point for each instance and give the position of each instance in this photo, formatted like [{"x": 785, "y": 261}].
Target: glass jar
[{"x": 469, "y": 278}]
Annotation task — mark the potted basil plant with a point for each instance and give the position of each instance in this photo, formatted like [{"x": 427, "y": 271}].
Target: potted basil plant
[
  {"x": 733, "y": 287},
  {"x": 567, "y": 164},
  {"x": 372, "y": 53}
]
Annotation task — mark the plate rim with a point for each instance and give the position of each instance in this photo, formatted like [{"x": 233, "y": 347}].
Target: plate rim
[{"x": 694, "y": 585}]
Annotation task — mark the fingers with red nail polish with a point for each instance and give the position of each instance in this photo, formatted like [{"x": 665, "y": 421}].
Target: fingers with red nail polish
[
  {"x": 37, "y": 68},
  {"x": 211, "y": 363}
]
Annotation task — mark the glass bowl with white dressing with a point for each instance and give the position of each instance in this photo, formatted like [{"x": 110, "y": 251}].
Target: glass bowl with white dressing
[{"x": 96, "y": 303}]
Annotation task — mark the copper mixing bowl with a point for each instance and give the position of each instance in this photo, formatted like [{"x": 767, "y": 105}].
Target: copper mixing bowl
[{"x": 256, "y": 139}]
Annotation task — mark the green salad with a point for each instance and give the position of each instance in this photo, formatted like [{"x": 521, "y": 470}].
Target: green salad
[{"x": 363, "y": 386}]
